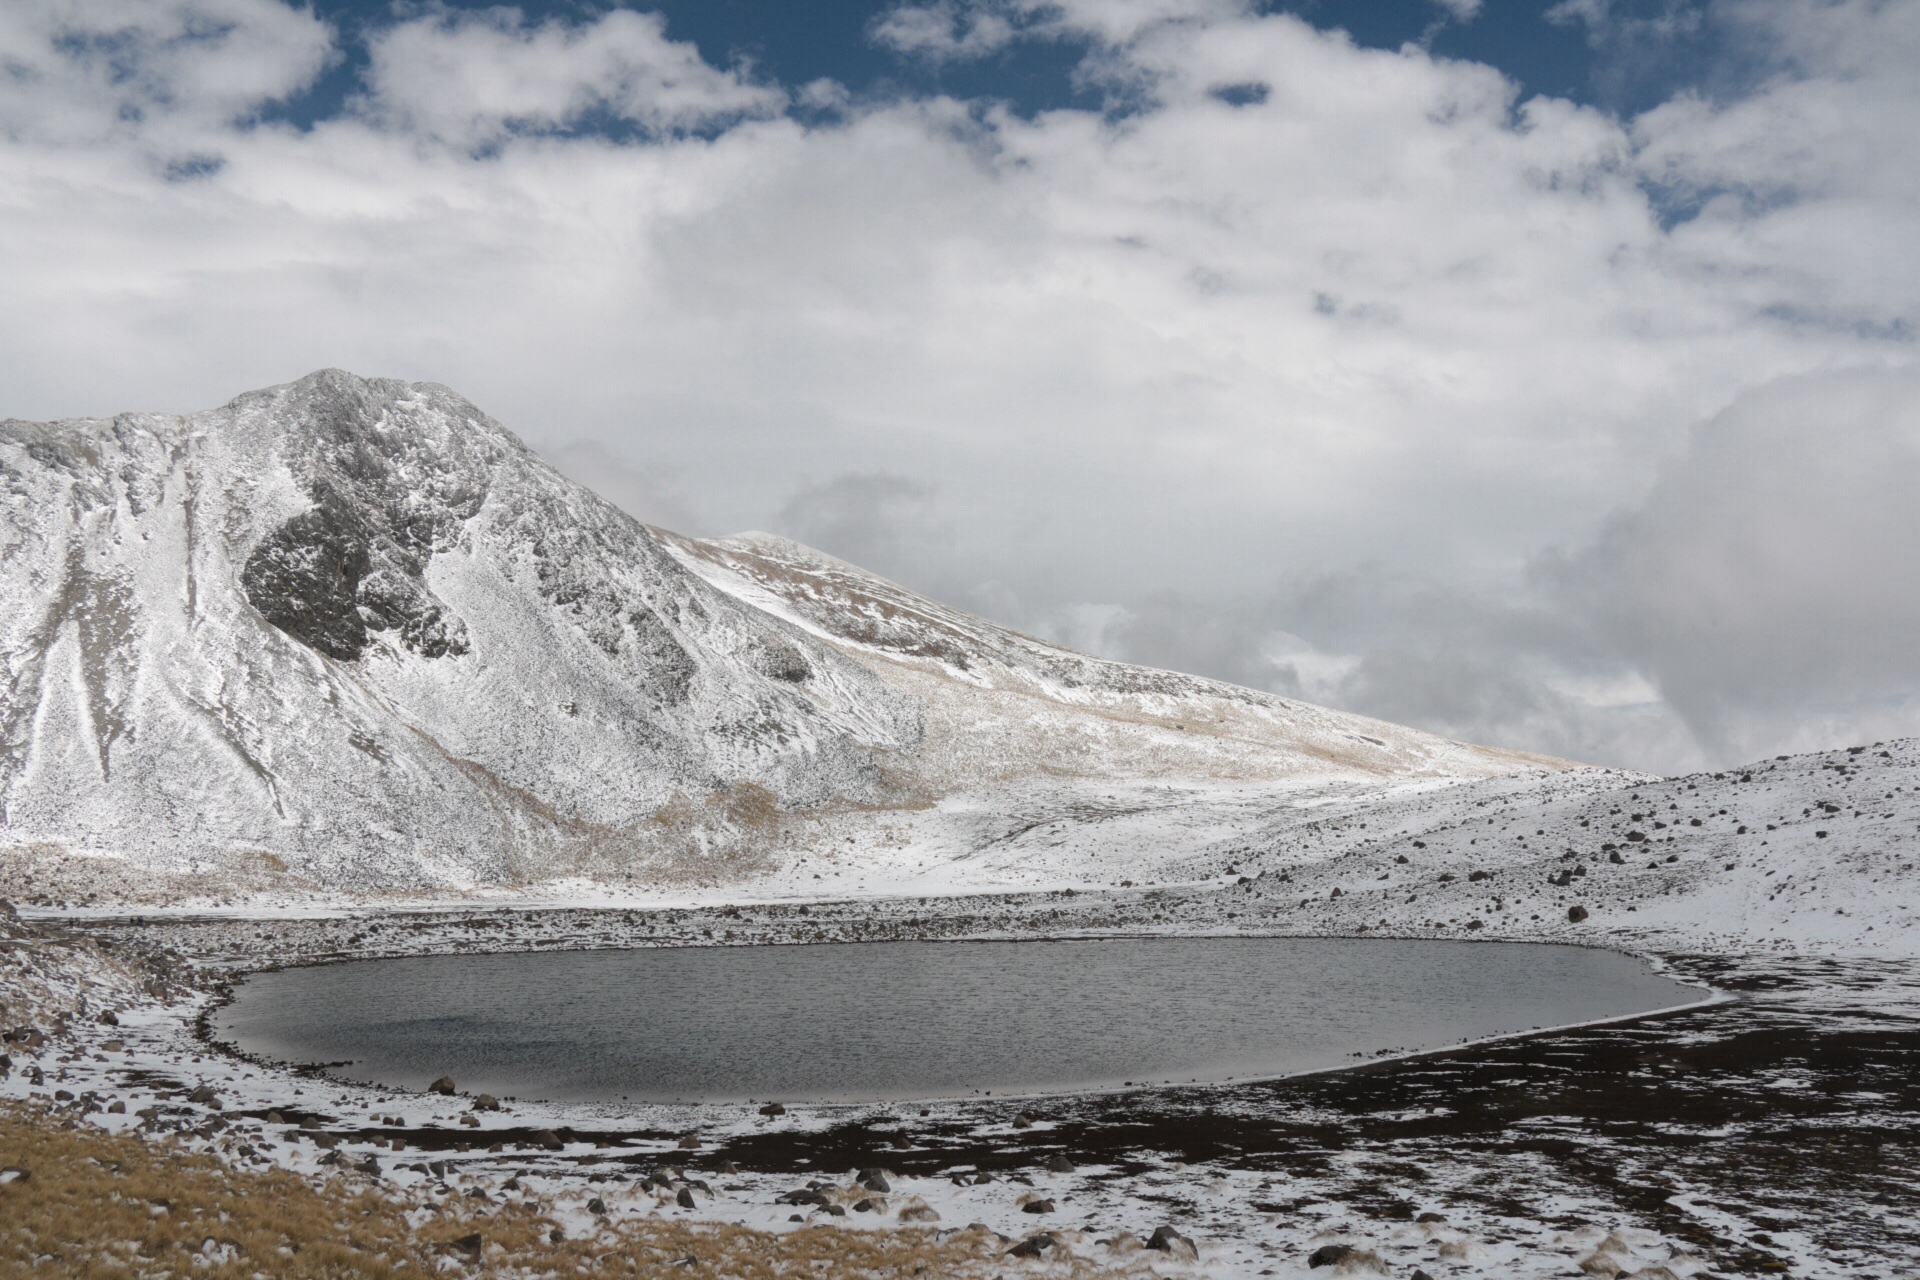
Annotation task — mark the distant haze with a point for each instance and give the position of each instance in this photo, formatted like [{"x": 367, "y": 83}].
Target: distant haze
[{"x": 1587, "y": 425}]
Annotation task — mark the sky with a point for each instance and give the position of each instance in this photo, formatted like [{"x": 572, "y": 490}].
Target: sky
[{"x": 1542, "y": 374}]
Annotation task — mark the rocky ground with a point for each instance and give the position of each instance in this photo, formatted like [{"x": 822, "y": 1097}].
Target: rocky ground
[{"x": 1771, "y": 1133}]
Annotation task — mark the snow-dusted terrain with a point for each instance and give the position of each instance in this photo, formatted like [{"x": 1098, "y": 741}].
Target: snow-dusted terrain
[
  {"x": 350, "y": 635},
  {"x": 342, "y": 670}
]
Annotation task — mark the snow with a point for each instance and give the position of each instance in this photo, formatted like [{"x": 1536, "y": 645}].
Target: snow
[{"x": 555, "y": 727}]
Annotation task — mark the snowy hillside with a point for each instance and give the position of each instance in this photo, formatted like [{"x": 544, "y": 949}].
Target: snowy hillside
[
  {"x": 357, "y": 630},
  {"x": 350, "y": 634},
  {"x": 1005, "y": 705}
]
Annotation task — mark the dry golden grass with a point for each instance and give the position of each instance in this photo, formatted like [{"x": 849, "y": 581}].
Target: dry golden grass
[{"x": 107, "y": 1205}]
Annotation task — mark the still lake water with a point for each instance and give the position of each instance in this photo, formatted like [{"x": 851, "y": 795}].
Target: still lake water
[{"x": 917, "y": 1019}]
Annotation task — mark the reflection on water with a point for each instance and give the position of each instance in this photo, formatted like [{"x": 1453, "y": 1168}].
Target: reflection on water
[{"x": 918, "y": 1019}]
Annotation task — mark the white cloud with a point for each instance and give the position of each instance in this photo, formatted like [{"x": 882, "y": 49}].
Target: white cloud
[
  {"x": 85, "y": 71},
  {"x": 472, "y": 77},
  {"x": 1770, "y": 582},
  {"x": 1387, "y": 314},
  {"x": 946, "y": 31}
]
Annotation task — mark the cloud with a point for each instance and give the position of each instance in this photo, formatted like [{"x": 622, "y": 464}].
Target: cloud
[
  {"x": 1177, "y": 370},
  {"x": 472, "y": 77},
  {"x": 1460, "y": 10},
  {"x": 886, "y": 523},
  {"x": 154, "y": 71},
  {"x": 1770, "y": 581},
  {"x": 946, "y": 31},
  {"x": 642, "y": 493}
]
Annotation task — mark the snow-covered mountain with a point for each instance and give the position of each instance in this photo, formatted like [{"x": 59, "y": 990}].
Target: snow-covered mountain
[{"x": 352, "y": 634}]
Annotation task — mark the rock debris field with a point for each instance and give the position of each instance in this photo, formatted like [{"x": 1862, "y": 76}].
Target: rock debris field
[{"x": 1770, "y": 1133}]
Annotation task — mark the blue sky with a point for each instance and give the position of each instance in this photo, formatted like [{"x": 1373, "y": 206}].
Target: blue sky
[
  {"x": 1617, "y": 63},
  {"x": 1543, "y": 375}
]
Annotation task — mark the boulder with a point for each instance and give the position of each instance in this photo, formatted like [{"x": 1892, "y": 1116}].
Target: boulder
[
  {"x": 1576, "y": 913},
  {"x": 773, "y": 1109},
  {"x": 1037, "y": 1206},
  {"x": 1037, "y": 1245},
  {"x": 548, "y": 1140},
  {"x": 1059, "y": 1164},
  {"x": 685, "y": 1199},
  {"x": 1170, "y": 1242},
  {"x": 597, "y": 1207},
  {"x": 1329, "y": 1254},
  {"x": 443, "y": 1086},
  {"x": 486, "y": 1102},
  {"x": 919, "y": 1213},
  {"x": 874, "y": 1180}
]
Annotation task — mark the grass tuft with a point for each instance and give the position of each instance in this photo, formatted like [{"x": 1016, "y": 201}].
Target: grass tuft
[{"x": 101, "y": 1204}]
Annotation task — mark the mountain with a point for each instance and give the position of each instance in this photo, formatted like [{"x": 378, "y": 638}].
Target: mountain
[{"x": 351, "y": 635}]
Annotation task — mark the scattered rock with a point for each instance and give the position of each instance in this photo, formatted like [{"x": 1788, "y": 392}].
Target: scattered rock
[
  {"x": 548, "y": 1140},
  {"x": 1576, "y": 913},
  {"x": 1023, "y": 1121},
  {"x": 486, "y": 1102},
  {"x": 1034, "y": 1246},
  {"x": 1170, "y": 1242},
  {"x": 202, "y": 1095},
  {"x": 685, "y": 1199},
  {"x": 1328, "y": 1254},
  {"x": 773, "y": 1109},
  {"x": 108, "y": 1018},
  {"x": 443, "y": 1086},
  {"x": 865, "y": 1205},
  {"x": 874, "y": 1180},
  {"x": 1037, "y": 1206},
  {"x": 597, "y": 1207},
  {"x": 1059, "y": 1164},
  {"x": 690, "y": 1143}
]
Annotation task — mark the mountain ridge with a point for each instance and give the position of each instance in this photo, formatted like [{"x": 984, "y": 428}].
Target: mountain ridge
[{"x": 354, "y": 633}]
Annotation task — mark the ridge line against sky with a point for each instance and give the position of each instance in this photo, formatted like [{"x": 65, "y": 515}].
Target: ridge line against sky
[{"x": 1539, "y": 374}]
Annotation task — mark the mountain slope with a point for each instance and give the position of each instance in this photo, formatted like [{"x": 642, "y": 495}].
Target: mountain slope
[
  {"x": 1062, "y": 712},
  {"x": 357, "y": 626},
  {"x": 352, "y": 634}
]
